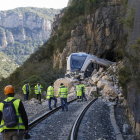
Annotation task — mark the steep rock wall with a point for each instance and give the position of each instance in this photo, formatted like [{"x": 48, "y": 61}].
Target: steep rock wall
[
  {"x": 100, "y": 35},
  {"x": 19, "y": 26}
]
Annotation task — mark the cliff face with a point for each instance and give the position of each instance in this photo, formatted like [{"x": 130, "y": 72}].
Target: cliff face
[
  {"x": 19, "y": 26},
  {"x": 99, "y": 34},
  {"x": 22, "y": 30}
]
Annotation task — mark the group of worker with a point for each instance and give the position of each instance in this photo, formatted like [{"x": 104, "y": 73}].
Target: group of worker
[
  {"x": 13, "y": 117},
  {"x": 63, "y": 92}
]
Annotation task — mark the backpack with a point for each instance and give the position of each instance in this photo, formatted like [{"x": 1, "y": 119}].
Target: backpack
[{"x": 9, "y": 114}]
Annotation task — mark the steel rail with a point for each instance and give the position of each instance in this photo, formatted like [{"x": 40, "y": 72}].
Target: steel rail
[
  {"x": 76, "y": 125},
  {"x": 45, "y": 115}
]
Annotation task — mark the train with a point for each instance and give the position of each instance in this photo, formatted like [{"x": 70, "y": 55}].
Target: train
[{"x": 84, "y": 64}]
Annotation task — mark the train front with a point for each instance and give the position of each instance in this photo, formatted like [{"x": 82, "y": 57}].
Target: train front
[{"x": 75, "y": 62}]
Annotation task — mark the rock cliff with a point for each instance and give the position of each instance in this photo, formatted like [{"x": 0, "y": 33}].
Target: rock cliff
[
  {"x": 98, "y": 33},
  {"x": 21, "y": 24}
]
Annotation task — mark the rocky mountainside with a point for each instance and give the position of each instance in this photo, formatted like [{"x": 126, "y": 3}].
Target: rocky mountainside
[
  {"x": 7, "y": 65},
  {"x": 98, "y": 33},
  {"x": 22, "y": 30}
]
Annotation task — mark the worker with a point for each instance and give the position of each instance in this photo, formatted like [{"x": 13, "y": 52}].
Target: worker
[
  {"x": 38, "y": 91},
  {"x": 50, "y": 95},
  {"x": 83, "y": 91},
  {"x": 79, "y": 92},
  {"x": 26, "y": 90},
  {"x": 10, "y": 110},
  {"x": 63, "y": 92}
]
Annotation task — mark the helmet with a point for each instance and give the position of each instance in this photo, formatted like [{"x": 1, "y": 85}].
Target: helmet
[{"x": 9, "y": 89}]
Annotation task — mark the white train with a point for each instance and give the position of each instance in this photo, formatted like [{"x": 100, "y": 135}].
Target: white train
[{"x": 85, "y": 64}]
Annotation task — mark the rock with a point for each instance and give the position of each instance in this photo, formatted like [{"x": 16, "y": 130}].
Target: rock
[
  {"x": 72, "y": 95},
  {"x": 101, "y": 70},
  {"x": 126, "y": 128},
  {"x": 42, "y": 100},
  {"x": 45, "y": 103},
  {"x": 90, "y": 91},
  {"x": 95, "y": 80},
  {"x": 68, "y": 82},
  {"x": 94, "y": 72},
  {"x": 109, "y": 90},
  {"x": 31, "y": 102},
  {"x": 72, "y": 90},
  {"x": 86, "y": 79},
  {"x": 101, "y": 83},
  {"x": 35, "y": 100},
  {"x": 121, "y": 99},
  {"x": 108, "y": 78},
  {"x": 93, "y": 90},
  {"x": 102, "y": 74}
]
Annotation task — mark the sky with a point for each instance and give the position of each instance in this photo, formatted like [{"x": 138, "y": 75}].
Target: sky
[{"x": 11, "y": 4}]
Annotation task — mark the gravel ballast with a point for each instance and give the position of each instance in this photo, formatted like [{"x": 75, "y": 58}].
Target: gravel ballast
[{"x": 96, "y": 124}]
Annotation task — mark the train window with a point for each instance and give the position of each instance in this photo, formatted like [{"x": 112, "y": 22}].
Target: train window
[{"x": 77, "y": 62}]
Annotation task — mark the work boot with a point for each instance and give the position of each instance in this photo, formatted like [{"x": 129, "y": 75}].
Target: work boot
[
  {"x": 66, "y": 109},
  {"x": 50, "y": 108}
]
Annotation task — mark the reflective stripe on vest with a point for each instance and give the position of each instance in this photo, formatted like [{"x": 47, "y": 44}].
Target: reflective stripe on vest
[
  {"x": 50, "y": 92},
  {"x": 63, "y": 92},
  {"x": 16, "y": 105}
]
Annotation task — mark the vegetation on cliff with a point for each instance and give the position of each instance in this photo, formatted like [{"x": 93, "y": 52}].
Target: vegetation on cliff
[
  {"x": 7, "y": 65},
  {"x": 129, "y": 73}
]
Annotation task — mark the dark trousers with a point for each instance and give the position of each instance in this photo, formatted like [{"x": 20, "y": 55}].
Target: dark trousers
[
  {"x": 84, "y": 96},
  {"x": 26, "y": 96},
  {"x": 55, "y": 101},
  {"x": 39, "y": 96},
  {"x": 64, "y": 100},
  {"x": 79, "y": 98}
]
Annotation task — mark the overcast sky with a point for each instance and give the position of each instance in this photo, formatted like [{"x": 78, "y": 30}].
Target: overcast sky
[{"x": 11, "y": 4}]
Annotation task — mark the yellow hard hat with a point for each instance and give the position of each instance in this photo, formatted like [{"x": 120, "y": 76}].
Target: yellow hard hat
[{"x": 9, "y": 89}]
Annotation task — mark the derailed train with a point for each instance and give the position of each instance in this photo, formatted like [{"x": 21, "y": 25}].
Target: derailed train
[{"x": 85, "y": 64}]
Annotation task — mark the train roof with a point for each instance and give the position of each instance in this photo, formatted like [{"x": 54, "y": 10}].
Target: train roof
[{"x": 96, "y": 59}]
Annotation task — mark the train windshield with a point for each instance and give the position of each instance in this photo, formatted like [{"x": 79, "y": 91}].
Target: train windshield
[{"x": 77, "y": 61}]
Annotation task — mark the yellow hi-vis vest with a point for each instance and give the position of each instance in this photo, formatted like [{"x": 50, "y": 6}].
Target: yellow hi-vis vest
[
  {"x": 37, "y": 89},
  {"x": 79, "y": 90},
  {"x": 50, "y": 92},
  {"x": 63, "y": 92},
  {"x": 16, "y": 105},
  {"x": 24, "y": 89}
]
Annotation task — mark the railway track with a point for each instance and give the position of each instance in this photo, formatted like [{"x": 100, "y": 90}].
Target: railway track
[
  {"x": 57, "y": 124},
  {"x": 45, "y": 115},
  {"x": 45, "y": 127},
  {"x": 78, "y": 121}
]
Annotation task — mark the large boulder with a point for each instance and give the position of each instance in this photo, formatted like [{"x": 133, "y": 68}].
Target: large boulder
[
  {"x": 109, "y": 90},
  {"x": 95, "y": 80},
  {"x": 108, "y": 78},
  {"x": 91, "y": 91},
  {"x": 72, "y": 96},
  {"x": 68, "y": 82},
  {"x": 101, "y": 83}
]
